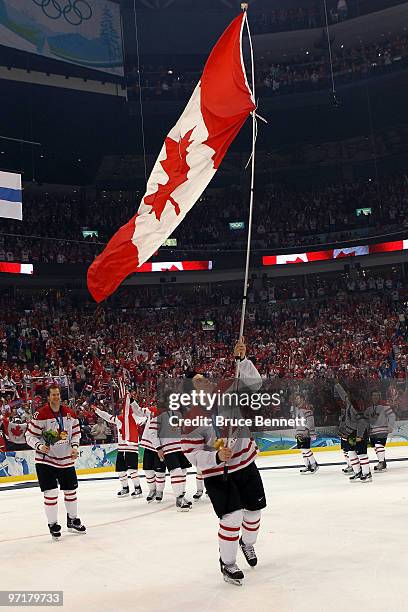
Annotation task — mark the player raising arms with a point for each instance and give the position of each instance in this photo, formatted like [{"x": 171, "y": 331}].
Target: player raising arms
[
  {"x": 231, "y": 478},
  {"x": 127, "y": 458},
  {"x": 381, "y": 419},
  {"x": 54, "y": 433}
]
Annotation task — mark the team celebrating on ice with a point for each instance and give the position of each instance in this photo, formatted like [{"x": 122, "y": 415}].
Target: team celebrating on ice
[{"x": 224, "y": 458}]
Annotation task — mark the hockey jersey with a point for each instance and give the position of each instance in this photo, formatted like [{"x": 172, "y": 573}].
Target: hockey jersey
[
  {"x": 168, "y": 435},
  {"x": 199, "y": 444},
  {"x": 381, "y": 420},
  {"x": 149, "y": 437},
  {"x": 352, "y": 422},
  {"x": 304, "y": 415},
  {"x": 355, "y": 423},
  {"x": 45, "y": 419},
  {"x": 127, "y": 426}
]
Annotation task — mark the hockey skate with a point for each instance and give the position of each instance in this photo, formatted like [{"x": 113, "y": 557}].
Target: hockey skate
[
  {"x": 124, "y": 492},
  {"x": 182, "y": 504},
  {"x": 187, "y": 500},
  {"x": 159, "y": 496},
  {"x": 151, "y": 495},
  {"x": 305, "y": 470},
  {"x": 198, "y": 495},
  {"x": 55, "y": 531},
  {"x": 380, "y": 467},
  {"x": 313, "y": 468},
  {"x": 74, "y": 525},
  {"x": 137, "y": 492},
  {"x": 249, "y": 553},
  {"x": 232, "y": 573},
  {"x": 366, "y": 477},
  {"x": 355, "y": 477},
  {"x": 347, "y": 470}
]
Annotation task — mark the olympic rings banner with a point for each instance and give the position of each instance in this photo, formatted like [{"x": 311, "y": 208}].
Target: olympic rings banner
[{"x": 83, "y": 32}]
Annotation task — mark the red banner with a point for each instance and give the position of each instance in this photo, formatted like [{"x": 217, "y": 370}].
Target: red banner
[
  {"x": 355, "y": 251},
  {"x": 16, "y": 268},
  {"x": 174, "y": 266}
]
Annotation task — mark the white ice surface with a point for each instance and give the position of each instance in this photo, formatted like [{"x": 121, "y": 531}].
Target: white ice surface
[{"x": 325, "y": 545}]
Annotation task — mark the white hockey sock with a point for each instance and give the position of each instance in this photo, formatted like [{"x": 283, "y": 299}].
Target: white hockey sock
[
  {"x": 228, "y": 536},
  {"x": 365, "y": 464},
  {"x": 71, "y": 503},
  {"x": 178, "y": 481},
  {"x": 135, "y": 478},
  {"x": 355, "y": 462},
  {"x": 200, "y": 482},
  {"x": 346, "y": 457},
  {"x": 51, "y": 505},
  {"x": 380, "y": 450},
  {"x": 123, "y": 479},
  {"x": 308, "y": 457},
  {"x": 160, "y": 481},
  {"x": 185, "y": 479},
  {"x": 150, "y": 479},
  {"x": 250, "y": 526}
]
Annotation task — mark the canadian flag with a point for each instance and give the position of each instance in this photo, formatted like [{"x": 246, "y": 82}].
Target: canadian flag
[
  {"x": 16, "y": 268},
  {"x": 174, "y": 266},
  {"x": 190, "y": 156}
]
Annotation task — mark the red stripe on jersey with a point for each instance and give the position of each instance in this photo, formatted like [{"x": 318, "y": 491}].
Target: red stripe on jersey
[
  {"x": 54, "y": 463},
  {"x": 242, "y": 451},
  {"x": 198, "y": 441},
  {"x": 232, "y": 467},
  {"x": 34, "y": 433}
]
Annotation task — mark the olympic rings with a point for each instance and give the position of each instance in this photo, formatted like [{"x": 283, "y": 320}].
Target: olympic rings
[{"x": 75, "y": 12}]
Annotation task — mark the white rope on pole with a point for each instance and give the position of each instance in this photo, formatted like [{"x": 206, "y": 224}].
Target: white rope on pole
[{"x": 251, "y": 196}]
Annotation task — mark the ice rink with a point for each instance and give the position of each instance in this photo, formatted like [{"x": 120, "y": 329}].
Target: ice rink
[{"x": 324, "y": 544}]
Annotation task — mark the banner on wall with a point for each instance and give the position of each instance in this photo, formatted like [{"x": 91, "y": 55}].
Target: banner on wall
[
  {"x": 355, "y": 251},
  {"x": 16, "y": 268},
  {"x": 21, "y": 463},
  {"x": 174, "y": 266},
  {"x": 82, "y": 32}
]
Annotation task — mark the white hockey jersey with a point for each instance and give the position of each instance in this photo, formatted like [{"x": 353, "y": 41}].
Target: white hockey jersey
[
  {"x": 149, "y": 437},
  {"x": 127, "y": 427},
  {"x": 45, "y": 419},
  {"x": 199, "y": 444},
  {"x": 381, "y": 419}
]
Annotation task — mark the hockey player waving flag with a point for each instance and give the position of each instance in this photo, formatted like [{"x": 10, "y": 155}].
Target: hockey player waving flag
[{"x": 188, "y": 160}]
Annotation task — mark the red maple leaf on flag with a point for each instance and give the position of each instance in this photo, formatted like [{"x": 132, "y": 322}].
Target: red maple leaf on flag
[
  {"x": 176, "y": 167},
  {"x": 297, "y": 260},
  {"x": 172, "y": 268},
  {"x": 16, "y": 431}
]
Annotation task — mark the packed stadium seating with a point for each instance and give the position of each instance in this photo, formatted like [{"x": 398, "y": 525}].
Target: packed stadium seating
[
  {"x": 317, "y": 327},
  {"x": 284, "y": 217}
]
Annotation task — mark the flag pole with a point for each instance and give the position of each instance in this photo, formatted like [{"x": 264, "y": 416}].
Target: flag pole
[{"x": 244, "y": 7}]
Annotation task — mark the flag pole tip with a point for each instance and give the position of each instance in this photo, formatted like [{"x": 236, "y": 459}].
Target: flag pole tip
[{"x": 244, "y": 6}]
